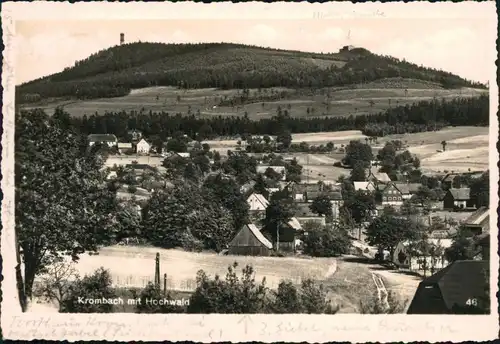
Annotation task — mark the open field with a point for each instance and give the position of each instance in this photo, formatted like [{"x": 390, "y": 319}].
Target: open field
[
  {"x": 134, "y": 266},
  {"x": 355, "y": 101},
  {"x": 467, "y": 148}
]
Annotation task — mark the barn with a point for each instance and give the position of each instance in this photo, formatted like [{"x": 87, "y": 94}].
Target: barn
[
  {"x": 459, "y": 288},
  {"x": 250, "y": 242}
]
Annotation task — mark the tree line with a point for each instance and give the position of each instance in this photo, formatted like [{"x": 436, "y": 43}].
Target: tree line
[
  {"x": 115, "y": 71},
  {"x": 419, "y": 117}
]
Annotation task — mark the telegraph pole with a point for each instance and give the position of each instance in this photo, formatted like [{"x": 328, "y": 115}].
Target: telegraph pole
[
  {"x": 157, "y": 270},
  {"x": 278, "y": 236}
]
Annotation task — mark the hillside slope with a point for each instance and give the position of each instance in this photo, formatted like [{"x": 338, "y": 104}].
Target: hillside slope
[{"x": 115, "y": 71}]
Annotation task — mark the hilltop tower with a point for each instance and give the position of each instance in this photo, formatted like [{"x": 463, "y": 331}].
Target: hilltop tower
[{"x": 122, "y": 38}]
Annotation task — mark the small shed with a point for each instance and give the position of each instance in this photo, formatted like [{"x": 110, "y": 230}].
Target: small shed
[
  {"x": 250, "y": 242},
  {"x": 479, "y": 221},
  {"x": 457, "y": 199},
  {"x": 459, "y": 288}
]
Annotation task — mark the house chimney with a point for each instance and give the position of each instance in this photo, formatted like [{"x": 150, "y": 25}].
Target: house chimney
[{"x": 122, "y": 38}]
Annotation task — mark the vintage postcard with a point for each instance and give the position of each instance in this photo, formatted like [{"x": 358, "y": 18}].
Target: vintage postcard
[{"x": 249, "y": 172}]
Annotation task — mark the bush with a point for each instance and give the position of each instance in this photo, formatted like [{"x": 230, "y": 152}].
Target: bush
[
  {"x": 94, "y": 287},
  {"x": 152, "y": 292},
  {"x": 132, "y": 189},
  {"x": 229, "y": 295}
]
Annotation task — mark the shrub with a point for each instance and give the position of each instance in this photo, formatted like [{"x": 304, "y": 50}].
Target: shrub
[
  {"x": 94, "y": 287},
  {"x": 153, "y": 292}
]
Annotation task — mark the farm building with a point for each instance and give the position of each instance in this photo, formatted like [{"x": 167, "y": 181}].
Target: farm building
[
  {"x": 143, "y": 147},
  {"x": 408, "y": 189},
  {"x": 479, "y": 222},
  {"x": 124, "y": 147},
  {"x": 108, "y": 139},
  {"x": 365, "y": 186},
  {"x": 459, "y": 288},
  {"x": 250, "y": 242},
  {"x": 457, "y": 199},
  {"x": 287, "y": 235}
]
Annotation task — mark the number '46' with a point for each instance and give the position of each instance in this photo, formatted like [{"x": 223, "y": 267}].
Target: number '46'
[{"x": 471, "y": 302}]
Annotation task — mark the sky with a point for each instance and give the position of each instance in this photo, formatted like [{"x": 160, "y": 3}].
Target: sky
[{"x": 459, "y": 41}]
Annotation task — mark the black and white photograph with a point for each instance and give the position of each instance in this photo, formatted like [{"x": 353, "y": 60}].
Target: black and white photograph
[{"x": 250, "y": 159}]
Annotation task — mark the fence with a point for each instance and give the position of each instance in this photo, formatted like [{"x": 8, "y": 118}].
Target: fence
[
  {"x": 186, "y": 285},
  {"x": 134, "y": 281}
]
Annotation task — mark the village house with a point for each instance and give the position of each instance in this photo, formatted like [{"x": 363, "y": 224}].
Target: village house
[
  {"x": 455, "y": 199},
  {"x": 299, "y": 191},
  {"x": 365, "y": 186},
  {"x": 278, "y": 169},
  {"x": 125, "y": 147},
  {"x": 479, "y": 222},
  {"x": 257, "y": 202},
  {"x": 304, "y": 214},
  {"x": 447, "y": 181},
  {"x": 449, "y": 290},
  {"x": 376, "y": 177},
  {"x": 257, "y": 206},
  {"x": 390, "y": 195},
  {"x": 143, "y": 147},
  {"x": 249, "y": 241},
  {"x": 407, "y": 189},
  {"x": 108, "y": 139}
]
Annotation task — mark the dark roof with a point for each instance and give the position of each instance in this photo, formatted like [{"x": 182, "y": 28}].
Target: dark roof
[
  {"x": 480, "y": 217},
  {"x": 102, "y": 138},
  {"x": 462, "y": 194},
  {"x": 304, "y": 210},
  {"x": 449, "y": 177},
  {"x": 301, "y": 188},
  {"x": 140, "y": 167},
  {"x": 451, "y": 287},
  {"x": 334, "y": 195}
]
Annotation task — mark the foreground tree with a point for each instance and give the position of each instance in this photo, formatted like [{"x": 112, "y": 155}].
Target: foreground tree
[
  {"x": 462, "y": 247},
  {"x": 322, "y": 241},
  {"x": 387, "y": 231},
  {"x": 55, "y": 284},
  {"x": 63, "y": 204},
  {"x": 359, "y": 204}
]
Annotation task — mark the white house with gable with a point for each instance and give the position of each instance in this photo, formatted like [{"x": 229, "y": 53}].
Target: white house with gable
[
  {"x": 257, "y": 202},
  {"x": 143, "y": 147}
]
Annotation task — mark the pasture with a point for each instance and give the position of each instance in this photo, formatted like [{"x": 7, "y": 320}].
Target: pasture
[
  {"x": 204, "y": 102},
  {"x": 466, "y": 148},
  {"x": 135, "y": 266}
]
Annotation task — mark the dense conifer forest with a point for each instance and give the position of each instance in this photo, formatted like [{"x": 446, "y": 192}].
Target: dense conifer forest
[{"x": 115, "y": 71}]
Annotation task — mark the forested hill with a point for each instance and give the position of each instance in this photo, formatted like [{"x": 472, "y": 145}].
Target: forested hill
[{"x": 115, "y": 71}]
